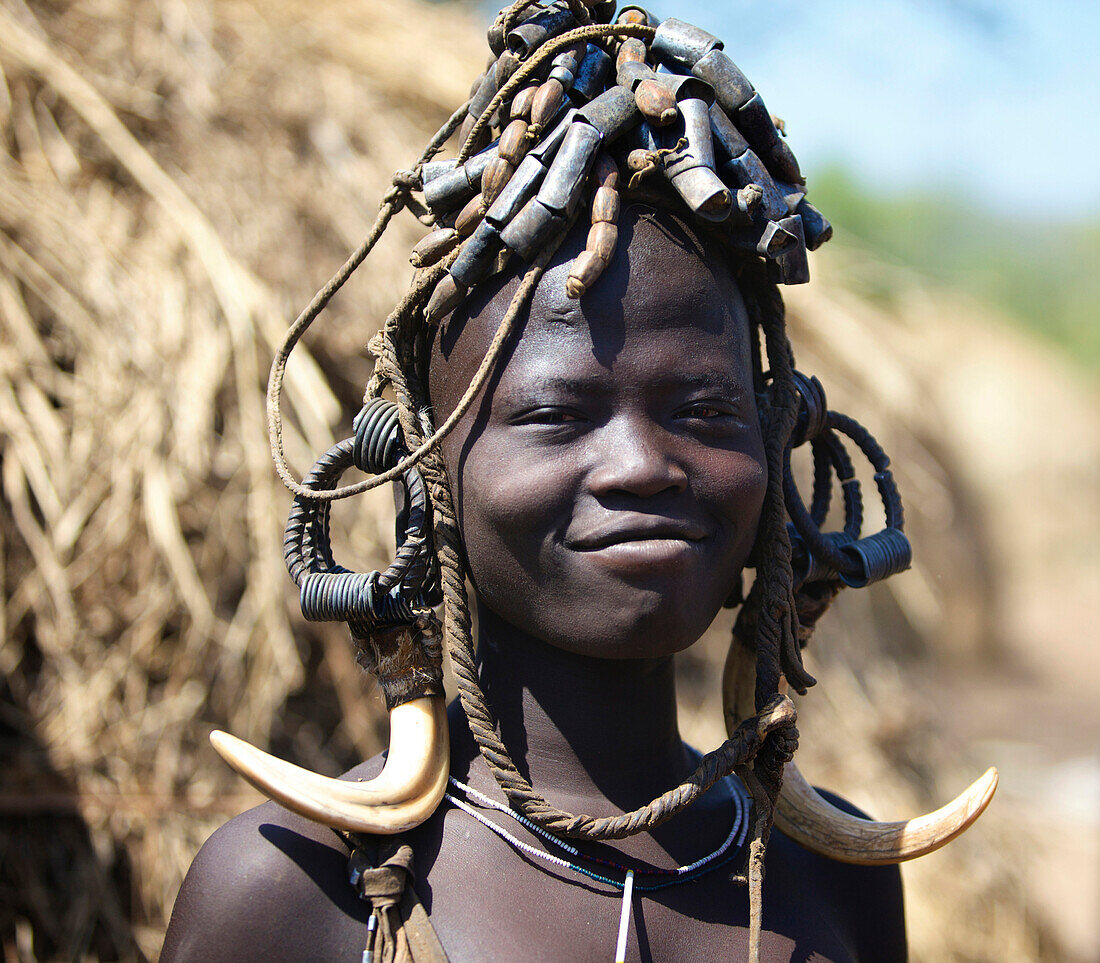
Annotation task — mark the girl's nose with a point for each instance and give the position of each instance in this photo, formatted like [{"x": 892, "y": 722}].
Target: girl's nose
[{"x": 636, "y": 457}]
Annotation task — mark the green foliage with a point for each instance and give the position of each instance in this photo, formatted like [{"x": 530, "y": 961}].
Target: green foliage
[{"x": 1046, "y": 274}]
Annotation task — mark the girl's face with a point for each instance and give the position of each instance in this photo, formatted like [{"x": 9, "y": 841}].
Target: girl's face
[{"x": 609, "y": 480}]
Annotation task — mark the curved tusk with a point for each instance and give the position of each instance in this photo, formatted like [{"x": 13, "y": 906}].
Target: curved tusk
[
  {"x": 804, "y": 816},
  {"x": 402, "y": 796},
  {"x": 808, "y": 819}
]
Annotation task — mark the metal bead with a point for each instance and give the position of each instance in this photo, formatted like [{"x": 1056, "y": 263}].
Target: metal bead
[
  {"x": 495, "y": 178},
  {"x": 513, "y": 142},
  {"x": 585, "y": 271},
  {"x": 605, "y": 205},
  {"x": 547, "y": 102},
  {"x": 561, "y": 189},
  {"x": 570, "y": 58},
  {"x": 754, "y": 121},
  {"x": 681, "y": 44},
  {"x": 605, "y": 172},
  {"x": 612, "y": 113},
  {"x": 774, "y": 241},
  {"x": 590, "y": 75},
  {"x": 434, "y": 247},
  {"x": 536, "y": 30},
  {"x": 563, "y": 76},
  {"x": 531, "y": 228},
  {"x": 602, "y": 238},
  {"x": 731, "y": 87},
  {"x": 447, "y": 296},
  {"x": 517, "y": 192},
  {"x": 436, "y": 168},
  {"x": 521, "y": 103},
  {"x": 793, "y": 265},
  {"x": 656, "y": 102},
  {"x": 470, "y": 216},
  {"x": 749, "y": 198},
  {"x": 503, "y": 69},
  {"x": 818, "y": 229},
  {"x": 478, "y": 256}
]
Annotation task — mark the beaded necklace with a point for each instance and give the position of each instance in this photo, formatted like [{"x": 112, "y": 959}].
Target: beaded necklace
[{"x": 681, "y": 874}]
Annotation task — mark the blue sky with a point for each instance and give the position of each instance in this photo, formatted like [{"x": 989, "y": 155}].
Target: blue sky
[{"x": 996, "y": 99}]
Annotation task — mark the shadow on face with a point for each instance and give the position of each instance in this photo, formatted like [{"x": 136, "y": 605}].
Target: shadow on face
[{"x": 610, "y": 477}]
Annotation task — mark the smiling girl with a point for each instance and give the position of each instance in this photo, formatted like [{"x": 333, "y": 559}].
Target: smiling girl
[{"x": 602, "y": 451}]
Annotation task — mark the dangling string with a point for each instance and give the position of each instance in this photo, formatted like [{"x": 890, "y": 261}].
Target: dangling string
[{"x": 624, "y": 918}]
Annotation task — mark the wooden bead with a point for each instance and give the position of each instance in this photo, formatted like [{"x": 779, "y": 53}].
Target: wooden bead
[
  {"x": 447, "y": 296},
  {"x": 605, "y": 205},
  {"x": 513, "y": 142},
  {"x": 585, "y": 271},
  {"x": 470, "y": 216},
  {"x": 656, "y": 102},
  {"x": 521, "y": 103},
  {"x": 633, "y": 16},
  {"x": 494, "y": 178},
  {"x": 547, "y": 102},
  {"x": 434, "y": 247},
  {"x": 605, "y": 172},
  {"x": 631, "y": 50},
  {"x": 602, "y": 237}
]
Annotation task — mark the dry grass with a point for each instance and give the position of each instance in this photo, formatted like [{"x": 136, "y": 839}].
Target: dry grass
[{"x": 175, "y": 180}]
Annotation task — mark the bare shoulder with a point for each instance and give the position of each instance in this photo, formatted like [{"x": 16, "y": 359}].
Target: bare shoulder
[
  {"x": 268, "y": 885},
  {"x": 864, "y": 903}
]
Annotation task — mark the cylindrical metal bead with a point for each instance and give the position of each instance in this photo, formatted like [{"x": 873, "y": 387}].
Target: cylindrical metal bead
[
  {"x": 531, "y": 228},
  {"x": 700, "y": 144},
  {"x": 793, "y": 264},
  {"x": 521, "y": 103},
  {"x": 570, "y": 58},
  {"x": 602, "y": 237},
  {"x": 495, "y": 178},
  {"x": 516, "y": 193},
  {"x": 561, "y": 189},
  {"x": 547, "y": 145},
  {"x": 476, "y": 165},
  {"x": 605, "y": 172},
  {"x": 495, "y": 37},
  {"x": 448, "y": 191},
  {"x": 685, "y": 87},
  {"x": 729, "y": 139},
  {"x": 447, "y": 296},
  {"x": 513, "y": 142},
  {"x": 749, "y": 169},
  {"x": 547, "y": 102},
  {"x": 434, "y": 247},
  {"x": 590, "y": 75},
  {"x": 703, "y": 191},
  {"x": 605, "y": 205},
  {"x": 506, "y": 65},
  {"x": 793, "y": 194},
  {"x": 612, "y": 113},
  {"x": 632, "y": 73},
  {"x": 485, "y": 92},
  {"x": 681, "y": 44},
  {"x": 435, "y": 168},
  {"x": 585, "y": 271},
  {"x": 731, "y": 87},
  {"x": 631, "y": 50},
  {"x": 754, "y": 121},
  {"x": 470, "y": 216},
  {"x": 774, "y": 241},
  {"x": 656, "y": 102},
  {"x": 534, "y": 32},
  {"x": 818, "y": 229},
  {"x": 562, "y": 75},
  {"x": 478, "y": 255}
]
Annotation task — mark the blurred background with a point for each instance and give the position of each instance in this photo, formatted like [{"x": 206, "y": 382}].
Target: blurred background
[{"x": 177, "y": 177}]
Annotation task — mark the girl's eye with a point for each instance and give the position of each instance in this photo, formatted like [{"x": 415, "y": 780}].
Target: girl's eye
[
  {"x": 549, "y": 416},
  {"x": 705, "y": 410}
]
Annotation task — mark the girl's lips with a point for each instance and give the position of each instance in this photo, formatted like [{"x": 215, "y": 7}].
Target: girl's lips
[{"x": 646, "y": 554}]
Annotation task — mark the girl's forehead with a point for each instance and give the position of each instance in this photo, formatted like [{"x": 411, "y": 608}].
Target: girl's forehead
[{"x": 663, "y": 287}]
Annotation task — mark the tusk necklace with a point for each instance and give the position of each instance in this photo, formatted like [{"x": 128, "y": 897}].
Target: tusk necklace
[{"x": 672, "y": 877}]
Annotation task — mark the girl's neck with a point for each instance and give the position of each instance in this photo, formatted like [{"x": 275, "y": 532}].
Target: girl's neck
[{"x": 585, "y": 731}]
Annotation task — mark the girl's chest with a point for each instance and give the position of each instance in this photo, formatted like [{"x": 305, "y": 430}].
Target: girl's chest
[{"x": 493, "y": 906}]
